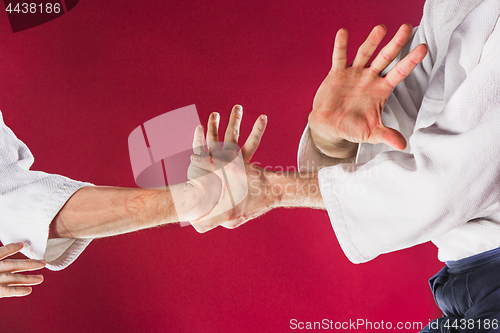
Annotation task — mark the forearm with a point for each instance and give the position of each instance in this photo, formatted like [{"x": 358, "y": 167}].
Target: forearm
[
  {"x": 295, "y": 189},
  {"x": 106, "y": 211}
]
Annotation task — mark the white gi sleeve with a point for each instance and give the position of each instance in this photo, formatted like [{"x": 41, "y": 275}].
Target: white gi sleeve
[
  {"x": 450, "y": 171},
  {"x": 29, "y": 200}
]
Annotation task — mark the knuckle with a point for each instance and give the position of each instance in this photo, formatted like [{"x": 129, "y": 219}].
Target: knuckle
[
  {"x": 210, "y": 227},
  {"x": 386, "y": 56},
  {"x": 402, "y": 72},
  {"x": 22, "y": 290},
  {"x": 199, "y": 229},
  {"x": 365, "y": 54},
  {"x": 400, "y": 42},
  {"x": 388, "y": 84},
  {"x": 413, "y": 62},
  {"x": 6, "y": 262},
  {"x": 30, "y": 262},
  {"x": 374, "y": 70},
  {"x": 337, "y": 72}
]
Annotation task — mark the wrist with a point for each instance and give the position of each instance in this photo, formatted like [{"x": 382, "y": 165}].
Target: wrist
[
  {"x": 188, "y": 201},
  {"x": 330, "y": 144}
]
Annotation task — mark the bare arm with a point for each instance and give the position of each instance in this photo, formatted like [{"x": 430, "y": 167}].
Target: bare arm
[
  {"x": 106, "y": 211},
  {"x": 266, "y": 190},
  {"x": 295, "y": 189}
]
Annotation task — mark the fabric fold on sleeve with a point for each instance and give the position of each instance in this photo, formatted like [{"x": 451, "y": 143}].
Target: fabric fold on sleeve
[
  {"x": 29, "y": 201},
  {"x": 400, "y": 199},
  {"x": 448, "y": 109}
]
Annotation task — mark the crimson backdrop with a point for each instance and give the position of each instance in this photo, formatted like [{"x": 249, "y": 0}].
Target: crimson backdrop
[{"x": 74, "y": 88}]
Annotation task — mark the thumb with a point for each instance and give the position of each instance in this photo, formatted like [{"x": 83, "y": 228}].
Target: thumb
[{"x": 390, "y": 137}]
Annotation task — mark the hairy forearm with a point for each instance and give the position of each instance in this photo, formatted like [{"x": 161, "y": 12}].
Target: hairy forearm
[
  {"x": 295, "y": 189},
  {"x": 106, "y": 211}
]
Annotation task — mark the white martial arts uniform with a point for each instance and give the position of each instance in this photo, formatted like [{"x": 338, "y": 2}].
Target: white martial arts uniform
[
  {"x": 445, "y": 187},
  {"x": 29, "y": 200}
]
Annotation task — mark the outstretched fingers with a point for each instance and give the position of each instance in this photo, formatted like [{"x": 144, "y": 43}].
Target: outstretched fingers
[
  {"x": 233, "y": 128},
  {"x": 7, "y": 291},
  {"x": 339, "y": 57},
  {"x": 366, "y": 50},
  {"x": 20, "y": 265},
  {"x": 404, "y": 67},
  {"x": 254, "y": 138},
  {"x": 198, "y": 141},
  {"x": 12, "y": 285},
  {"x": 10, "y": 249},
  {"x": 392, "y": 49},
  {"x": 16, "y": 284},
  {"x": 212, "y": 132}
]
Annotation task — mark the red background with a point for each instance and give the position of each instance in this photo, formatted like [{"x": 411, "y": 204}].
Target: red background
[{"x": 74, "y": 88}]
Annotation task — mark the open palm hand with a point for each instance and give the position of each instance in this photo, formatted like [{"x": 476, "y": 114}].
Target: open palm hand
[{"x": 348, "y": 105}]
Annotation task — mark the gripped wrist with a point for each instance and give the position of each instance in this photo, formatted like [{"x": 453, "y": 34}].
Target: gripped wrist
[
  {"x": 187, "y": 202},
  {"x": 272, "y": 195},
  {"x": 333, "y": 147}
]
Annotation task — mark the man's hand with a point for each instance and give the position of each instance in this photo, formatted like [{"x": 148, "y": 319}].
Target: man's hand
[
  {"x": 348, "y": 105},
  {"x": 230, "y": 164},
  {"x": 16, "y": 284},
  {"x": 264, "y": 189},
  {"x": 259, "y": 200}
]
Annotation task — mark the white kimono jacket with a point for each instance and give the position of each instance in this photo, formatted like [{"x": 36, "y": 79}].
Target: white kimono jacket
[
  {"x": 445, "y": 187},
  {"x": 29, "y": 200}
]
